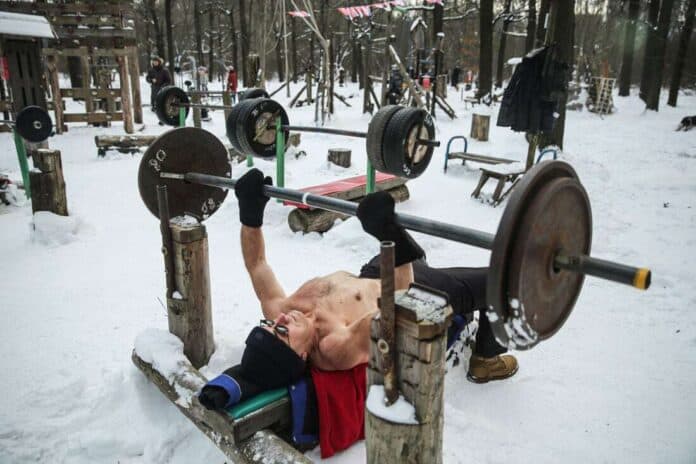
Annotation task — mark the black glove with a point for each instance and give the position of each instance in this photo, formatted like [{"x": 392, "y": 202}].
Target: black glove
[
  {"x": 213, "y": 397},
  {"x": 252, "y": 200},
  {"x": 376, "y": 214}
]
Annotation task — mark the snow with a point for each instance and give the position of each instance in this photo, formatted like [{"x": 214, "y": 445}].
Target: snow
[
  {"x": 401, "y": 412},
  {"x": 616, "y": 384}
]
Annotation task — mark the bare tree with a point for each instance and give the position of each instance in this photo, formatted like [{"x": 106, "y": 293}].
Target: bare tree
[
  {"x": 170, "y": 37},
  {"x": 684, "y": 39},
  {"x": 503, "y": 40},
  {"x": 563, "y": 33},
  {"x": 629, "y": 42},
  {"x": 650, "y": 44},
  {"x": 245, "y": 42},
  {"x": 485, "y": 48},
  {"x": 653, "y": 100},
  {"x": 531, "y": 26}
]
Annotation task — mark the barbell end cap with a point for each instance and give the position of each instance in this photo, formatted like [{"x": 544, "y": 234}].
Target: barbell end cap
[{"x": 642, "y": 279}]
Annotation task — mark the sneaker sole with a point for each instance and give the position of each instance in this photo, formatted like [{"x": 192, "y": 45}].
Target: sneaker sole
[{"x": 473, "y": 379}]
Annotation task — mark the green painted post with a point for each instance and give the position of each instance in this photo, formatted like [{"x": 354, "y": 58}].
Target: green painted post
[
  {"x": 23, "y": 163},
  {"x": 280, "y": 154},
  {"x": 182, "y": 117},
  {"x": 370, "y": 186},
  {"x": 250, "y": 161}
]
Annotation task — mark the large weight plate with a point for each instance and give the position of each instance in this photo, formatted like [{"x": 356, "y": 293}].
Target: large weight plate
[
  {"x": 182, "y": 150},
  {"x": 34, "y": 124},
  {"x": 167, "y": 104},
  {"x": 231, "y": 123},
  {"x": 256, "y": 133},
  {"x": 403, "y": 156},
  {"x": 548, "y": 212},
  {"x": 375, "y": 135}
]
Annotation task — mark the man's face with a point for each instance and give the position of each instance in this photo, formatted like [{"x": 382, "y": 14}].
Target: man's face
[
  {"x": 155, "y": 63},
  {"x": 300, "y": 331}
]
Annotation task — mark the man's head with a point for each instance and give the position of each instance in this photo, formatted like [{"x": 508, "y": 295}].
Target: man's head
[
  {"x": 295, "y": 330},
  {"x": 156, "y": 61}
]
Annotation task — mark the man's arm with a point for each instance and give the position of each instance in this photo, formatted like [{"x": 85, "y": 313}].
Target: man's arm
[
  {"x": 268, "y": 289},
  {"x": 403, "y": 276}
]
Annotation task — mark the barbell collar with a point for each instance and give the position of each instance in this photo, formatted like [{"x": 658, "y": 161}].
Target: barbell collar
[
  {"x": 636, "y": 277},
  {"x": 587, "y": 265}
]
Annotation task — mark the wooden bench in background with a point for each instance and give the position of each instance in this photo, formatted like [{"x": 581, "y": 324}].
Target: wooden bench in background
[{"x": 306, "y": 219}]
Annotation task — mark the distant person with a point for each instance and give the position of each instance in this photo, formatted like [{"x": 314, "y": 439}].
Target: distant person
[
  {"x": 232, "y": 82},
  {"x": 394, "y": 88},
  {"x": 158, "y": 76}
]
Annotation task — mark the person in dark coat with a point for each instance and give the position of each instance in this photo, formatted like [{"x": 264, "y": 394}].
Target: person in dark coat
[{"x": 158, "y": 76}]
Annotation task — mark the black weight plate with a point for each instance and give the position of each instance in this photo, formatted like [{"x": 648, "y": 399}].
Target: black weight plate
[
  {"x": 402, "y": 156},
  {"x": 256, "y": 127},
  {"x": 167, "y": 104},
  {"x": 182, "y": 150},
  {"x": 375, "y": 135},
  {"x": 231, "y": 124},
  {"x": 34, "y": 124},
  {"x": 250, "y": 93},
  {"x": 506, "y": 240}
]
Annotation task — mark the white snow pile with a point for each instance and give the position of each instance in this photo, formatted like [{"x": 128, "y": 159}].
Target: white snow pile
[
  {"x": 401, "y": 412},
  {"x": 616, "y": 384}
]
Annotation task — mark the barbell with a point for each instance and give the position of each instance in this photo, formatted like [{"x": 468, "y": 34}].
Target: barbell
[
  {"x": 399, "y": 140},
  {"x": 33, "y": 123},
  {"x": 539, "y": 254},
  {"x": 171, "y": 98}
]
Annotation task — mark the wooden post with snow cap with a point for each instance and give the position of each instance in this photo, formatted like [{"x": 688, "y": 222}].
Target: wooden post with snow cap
[
  {"x": 403, "y": 432},
  {"x": 189, "y": 309},
  {"x": 47, "y": 182}
]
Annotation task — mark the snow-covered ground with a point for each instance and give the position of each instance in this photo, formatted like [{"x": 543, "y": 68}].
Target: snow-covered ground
[{"x": 616, "y": 384}]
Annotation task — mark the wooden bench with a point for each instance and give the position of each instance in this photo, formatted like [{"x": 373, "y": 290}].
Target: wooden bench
[
  {"x": 503, "y": 174},
  {"x": 306, "y": 219},
  {"x": 122, "y": 143},
  {"x": 465, "y": 156}
]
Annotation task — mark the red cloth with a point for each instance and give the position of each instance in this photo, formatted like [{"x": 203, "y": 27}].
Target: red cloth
[
  {"x": 232, "y": 81},
  {"x": 341, "y": 399}
]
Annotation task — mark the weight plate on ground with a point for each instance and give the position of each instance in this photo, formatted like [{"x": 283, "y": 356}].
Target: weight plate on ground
[
  {"x": 167, "y": 104},
  {"x": 402, "y": 154},
  {"x": 375, "y": 135},
  {"x": 256, "y": 127},
  {"x": 182, "y": 150},
  {"x": 250, "y": 93},
  {"x": 540, "y": 216},
  {"x": 231, "y": 124},
  {"x": 34, "y": 124}
]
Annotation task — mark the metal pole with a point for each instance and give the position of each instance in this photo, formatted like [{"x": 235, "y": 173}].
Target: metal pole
[
  {"x": 387, "y": 319},
  {"x": 370, "y": 185},
  {"x": 327, "y": 130},
  {"x": 621, "y": 273},
  {"x": 280, "y": 154},
  {"x": 167, "y": 249},
  {"x": 23, "y": 163},
  {"x": 182, "y": 117}
]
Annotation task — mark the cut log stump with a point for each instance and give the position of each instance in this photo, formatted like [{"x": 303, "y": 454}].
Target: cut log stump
[
  {"x": 480, "y": 124},
  {"x": 47, "y": 183},
  {"x": 339, "y": 157}
]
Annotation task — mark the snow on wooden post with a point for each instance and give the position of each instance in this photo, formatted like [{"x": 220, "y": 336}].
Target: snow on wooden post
[
  {"x": 422, "y": 317},
  {"x": 47, "y": 183},
  {"x": 189, "y": 308}
]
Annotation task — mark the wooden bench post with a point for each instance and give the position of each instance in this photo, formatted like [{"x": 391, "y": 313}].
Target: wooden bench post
[
  {"x": 189, "y": 307},
  {"x": 420, "y": 367},
  {"x": 47, "y": 184}
]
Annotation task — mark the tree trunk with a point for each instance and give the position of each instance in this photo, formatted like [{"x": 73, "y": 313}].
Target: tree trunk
[
  {"x": 563, "y": 36},
  {"x": 485, "y": 48},
  {"x": 541, "y": 24},
  {"x": 629, "y": 42},
  {"x": 684, "y": 39},
  {"x": 501, "y": 48},
  {"x": 170, "y": 38},
  {"x": 655, "y": 86},
  {"x": 233, "y": 39},
  {"x": 211, "y": 46},
  {"x": 244, "y": 39},
  {"x": 159, "y": 36},
  {"x": 531, "y": 26},
  {"x": 650, "y": 44},
  {"x": 198, "y": 35},
  {"x": 293, "y": 46}
]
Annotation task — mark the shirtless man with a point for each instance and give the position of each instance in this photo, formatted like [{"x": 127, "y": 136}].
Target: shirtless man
[{"x": 326, "y": 322}]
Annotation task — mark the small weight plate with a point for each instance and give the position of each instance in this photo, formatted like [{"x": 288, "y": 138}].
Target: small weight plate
[
  {"x": 375, "y": 135},
  {"x": 167, "y": 105},
  {"x": 34, "y": 124},
  {"x": 256, "y": 127},
  {"x": 403, "y": 156},
  {"x": 179, "y": 151},
  {"x": 531, "y": 208}
]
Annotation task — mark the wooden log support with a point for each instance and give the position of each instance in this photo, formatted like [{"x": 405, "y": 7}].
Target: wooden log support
[
  {"x": 227, "y": 101},
  {"x": 86, "y": 83},
  {"x": 318, "y": 220},
  {"x": 134, "y": 70},
  {"x": 339, "y": 157},
  {"x": 228, "y": 434},
  {"x": 56, "y": 96},
  {"x": 126, "y": 107},
  {"x": 47, "y": 183},
  {"x": 294, "y": 139},
  {"x": 196, "y": 99},
  {"x": 189, "y": 309},
  {"x": 480, "y": 124},
  {"x": 122, "y": 143},
  {"x": 421, "y": 340}
]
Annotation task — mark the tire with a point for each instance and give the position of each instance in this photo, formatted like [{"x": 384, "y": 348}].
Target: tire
[
  {"x": 165, "y": 105},
  {"x": 375, "y": 136},
  {"x": 250, "y": 93},
  {"x": 396, "y": 146},
  {"x": 231, "y": 124},
  {"x": 260, "y": 110}
]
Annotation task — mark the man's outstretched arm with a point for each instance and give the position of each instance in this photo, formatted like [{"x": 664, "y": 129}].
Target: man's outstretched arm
[{"x": 252, "y": 201}]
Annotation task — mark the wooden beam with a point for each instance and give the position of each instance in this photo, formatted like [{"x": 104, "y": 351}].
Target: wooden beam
[
  {"x": 134, "y": 71},
  {"x": 85, "y": 51},
  {"x": 94, "y": 93},
  {"x": 93, "y": 118},
  {"x": 126, "y": 106}
]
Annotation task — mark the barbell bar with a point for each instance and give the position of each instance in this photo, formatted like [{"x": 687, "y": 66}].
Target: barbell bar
[
  {"x": 540, "y": 252},
  {"x": 347, "y": 133}
]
